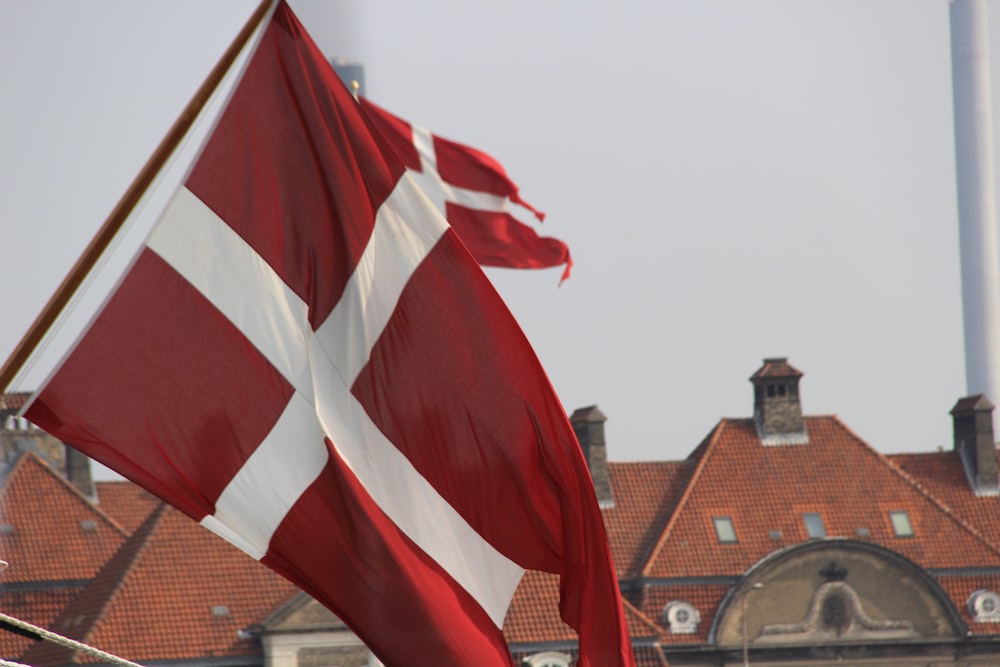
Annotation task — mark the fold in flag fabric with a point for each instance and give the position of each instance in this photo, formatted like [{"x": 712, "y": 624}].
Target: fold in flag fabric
[
  {"x": 472, "y": 190},
  {"x": 305, "y": 359}
]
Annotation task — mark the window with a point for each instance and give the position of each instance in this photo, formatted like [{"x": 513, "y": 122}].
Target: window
[
  {"x": 814, "y": 524},
  {"x": 901, "y": 523},
  {"x": 724, "y": 529}
]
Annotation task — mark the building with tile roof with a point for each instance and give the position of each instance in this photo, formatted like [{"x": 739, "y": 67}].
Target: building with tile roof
[
  {"x": 171, "y": 592},
  {"x": 785, "y": 539},
  {"x": 127, "y": 574},
  {"x": 782, "y": 539},
  {"x": 55, "y": 541}
]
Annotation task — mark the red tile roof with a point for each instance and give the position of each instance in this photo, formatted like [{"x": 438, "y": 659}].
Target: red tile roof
[
  {"x": 533, "y": 615},
  {"x": 662, "y": 535},
  {"x": 705, "y": 597},
  {"x": 54, "y": 541},
  {"x": 943, "y": 476},
  {"x": 49, "y": 531},
  {"x": 961, "y": 587},
  {"x": 38, "y": 607},
  {"x": 645, "y": 495},
  {"x": 14, "y": 400},
  {"x": 764, "y": 489},
  {"x": 154, "y": 598},
  {"x": 174, "y": 591},
  {"x": 127, "y": 503}
]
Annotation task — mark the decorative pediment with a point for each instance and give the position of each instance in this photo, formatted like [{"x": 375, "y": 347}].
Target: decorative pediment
[
  {"x": 832, "y": 591},
  {"x": 835, "y": 613}
]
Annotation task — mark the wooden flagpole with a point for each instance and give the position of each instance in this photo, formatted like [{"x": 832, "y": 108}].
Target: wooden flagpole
[{"x": 127, "y": 203}]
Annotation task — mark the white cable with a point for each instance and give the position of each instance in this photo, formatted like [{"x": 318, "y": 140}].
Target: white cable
[
  {"x": 63, "y": 641},
  {"x": 8, "y": 663}
]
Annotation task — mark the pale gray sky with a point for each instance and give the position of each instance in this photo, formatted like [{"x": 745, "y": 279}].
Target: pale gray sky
[{"x": 736, "y": 179}]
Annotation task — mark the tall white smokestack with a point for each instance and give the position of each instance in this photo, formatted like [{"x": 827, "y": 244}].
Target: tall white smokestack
[{"x": 970, "y": 67}]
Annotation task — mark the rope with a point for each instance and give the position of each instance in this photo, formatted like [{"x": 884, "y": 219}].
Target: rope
[
  {"x": 8, "y": 663},
  {"x": 62, "y": 641}
]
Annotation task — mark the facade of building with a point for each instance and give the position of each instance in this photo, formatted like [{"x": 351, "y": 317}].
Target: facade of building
[{"x": 782, "y": 539}]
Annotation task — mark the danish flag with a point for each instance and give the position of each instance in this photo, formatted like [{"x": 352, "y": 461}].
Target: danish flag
[
  {"x": 306, "y": 359},
  {"x": 472, "y": 191}
]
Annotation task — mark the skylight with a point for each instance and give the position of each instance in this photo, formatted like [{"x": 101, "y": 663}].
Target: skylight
[
  {"x": 814, "y": 524},
  {"x": 724, "y": 529},
  {"x": 901, "y": 523}
]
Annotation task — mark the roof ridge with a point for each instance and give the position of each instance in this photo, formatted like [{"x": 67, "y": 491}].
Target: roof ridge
[
  {"x": 8, "y": 474},
  {"x": 82, "y": 617},
  {"x": 921, "y": 489},
  {"x": 709, "y": 443},
  {"x": 646, "y": 620}
]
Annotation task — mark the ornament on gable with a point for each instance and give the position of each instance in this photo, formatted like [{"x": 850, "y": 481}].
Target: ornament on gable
[{"x": 836, "y": 613}]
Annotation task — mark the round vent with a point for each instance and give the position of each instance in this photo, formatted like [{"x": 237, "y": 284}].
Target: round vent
[
  {"x": 681, "y": 618},
  {"x": 984, "y": 606}
]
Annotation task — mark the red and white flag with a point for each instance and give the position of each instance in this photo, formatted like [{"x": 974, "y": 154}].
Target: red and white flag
[
  {"x": 305, "y": 359},
  {"x": 472, "y": 191}
]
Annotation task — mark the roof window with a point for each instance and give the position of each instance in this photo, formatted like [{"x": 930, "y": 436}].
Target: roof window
[
  {"x": 814, "y": 524},
  {"x": 901, "y": 525},
  {"x": 724, "y": 529}
]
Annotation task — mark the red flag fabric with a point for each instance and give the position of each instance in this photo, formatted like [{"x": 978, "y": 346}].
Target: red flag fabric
[
  {"x": 471, "y": 189},
  {"x": 305, "y": 359}
]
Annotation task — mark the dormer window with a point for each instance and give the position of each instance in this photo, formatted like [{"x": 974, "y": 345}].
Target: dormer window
[
  {"x": 724, "y": 529},
  {"x": 814, "y": 525},
  {"x": 901, "y": 525}
]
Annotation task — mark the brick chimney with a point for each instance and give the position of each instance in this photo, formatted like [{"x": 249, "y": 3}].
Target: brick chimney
[
  {"x": 78, "y": 472},
  {"x": 972, "y": 417},
  {"x": 588, "y": 424},
  {"x": 777, "y": 411}
]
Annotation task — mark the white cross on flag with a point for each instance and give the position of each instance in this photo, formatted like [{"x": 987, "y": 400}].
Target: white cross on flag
[
  {"x": 472, "y": 191},
  {"x": 305, "y": 359}
]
